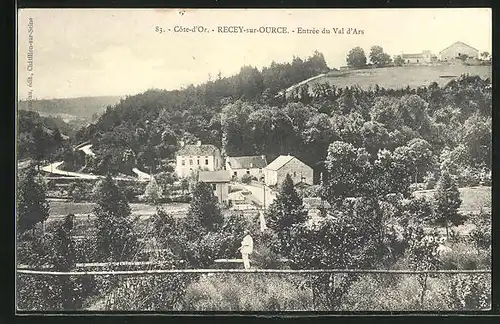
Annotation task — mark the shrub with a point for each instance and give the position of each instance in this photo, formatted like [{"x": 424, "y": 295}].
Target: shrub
[
  {"x": 464, "y": 256},
  {"x": 469, "y": 177},
  {"x": 481, "y": 234},
  {"x": 376, "y": 293},
  {"x": 246, "y": 293},
  {"x": 246, "y": 178},
  {"x": 430, "y": 180},
  {"x": 466, "y": 292}
]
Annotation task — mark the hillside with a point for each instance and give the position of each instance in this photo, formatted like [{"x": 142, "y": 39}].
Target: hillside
[
  {"x": 71, "y": 108},
  {"x": 398, "y": 77}
]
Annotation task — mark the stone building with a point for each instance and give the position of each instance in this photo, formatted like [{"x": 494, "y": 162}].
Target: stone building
[
  {"x": 197, "y": 157},
  {"x": 276, "y": 171},
  {"x": 457, "y": 49}
]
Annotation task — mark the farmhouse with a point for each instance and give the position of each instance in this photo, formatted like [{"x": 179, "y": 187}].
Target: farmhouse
[
  {"x": 424, "y": 57},
  {"x": 252, "y": 165},
  {"x": 276, "y": 171},
  {"x": 197, "y": 157},
  {"x": 219, "y": 181},
  {"x": 457, "y": 49}
]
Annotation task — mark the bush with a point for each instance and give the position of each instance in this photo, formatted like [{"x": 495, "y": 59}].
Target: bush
[
  {"x": 465, "y": 256},
  {"x": 246, "y": 178},
  {"x": 430, "y": 180},
  {"x": 375, "y": 293},
  {"x": 469, "y": 292},
  {"x": 469, "y": 177}
]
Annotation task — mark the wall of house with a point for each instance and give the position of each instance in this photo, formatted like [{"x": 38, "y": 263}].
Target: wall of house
[
  {"x": 414, "y": 60},
  {"x": 221, "y": 191},
  {"x": 209, "y": 163},
  {"x": 297, "y": 170},
  {"x": 455, "y": 50},
  {"x": 254, "y": 172},
  {"x": 270, "y": 177}
]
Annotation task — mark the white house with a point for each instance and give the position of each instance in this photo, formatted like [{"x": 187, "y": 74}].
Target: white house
[
  {"x": 252, "y": 165},
  {"x": 219, "y": 181},
  {"x": 197, "y": 157},
  {"x": 276, "y": 171}
]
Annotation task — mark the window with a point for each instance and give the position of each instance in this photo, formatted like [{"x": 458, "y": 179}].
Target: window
[
  {"x": 235, "y": 173},
  {"x": 214, "y": 186},
  {"x": 198, "y": 161},
  {"x": 248, "y": 171},
  {"x": 206, "y": 162},
  {"x": 294, "y": 174},
  {"x": 183, "y": 162},
  {"x": 260, "y": 170},
  {"x": 190, "y": 162}
]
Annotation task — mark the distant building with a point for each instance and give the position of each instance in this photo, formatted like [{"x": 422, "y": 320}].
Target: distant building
[
  {"x": 419, "y": 58},
  {"x": 197, "y": 157},
  {"x": 219, "y": 181},
  {"x": 252, "y": 165},
  {"x": 277, "y": 170},
  {"x": 457, "y": 49}
]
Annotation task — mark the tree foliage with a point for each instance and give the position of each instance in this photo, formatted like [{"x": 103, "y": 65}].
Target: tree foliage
[
  {"x": 356, "y": 58},
  {"x": 204, "y": 208},
  {"x": 32, "y": 206},
  {"x": 115, "y": 237}
]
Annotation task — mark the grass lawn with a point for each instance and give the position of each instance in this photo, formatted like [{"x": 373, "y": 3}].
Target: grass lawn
[
  {"x": 63, "y": 208},
  {"x": 473, "y": 198},
  {"x": 399, "y": 77}
]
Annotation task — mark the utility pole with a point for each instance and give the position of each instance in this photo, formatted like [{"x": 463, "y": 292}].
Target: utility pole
[{"x": 264, "y": 188}]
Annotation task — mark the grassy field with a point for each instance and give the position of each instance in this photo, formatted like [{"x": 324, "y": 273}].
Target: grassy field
[
  {"x": 399, "y": 77},
  {"x": 63, "y": 208},
  {"x": 473, "y": 198}
]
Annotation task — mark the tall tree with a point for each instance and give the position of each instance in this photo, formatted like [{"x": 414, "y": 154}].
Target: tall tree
[
  {"x": 204, "y": 208},
  {"x": 115, "y": 238},
  {"x": 356, "y": 58},
  {"x": 286, "y": 210},
  {"x": 447, "y": 198},
  {"x": 378, "y": 56},
  {"x": 32, "y": 206}
]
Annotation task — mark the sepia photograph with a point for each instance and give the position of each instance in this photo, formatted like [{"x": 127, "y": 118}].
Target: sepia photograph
[{"x": 253, "y": 160}]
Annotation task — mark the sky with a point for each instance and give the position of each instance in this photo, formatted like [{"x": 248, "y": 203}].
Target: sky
[{"x": 98, "y": 52}]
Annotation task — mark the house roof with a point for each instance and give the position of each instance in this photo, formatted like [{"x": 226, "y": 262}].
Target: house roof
[
  {"x": 214, "y": 176},
  {"x": 247, "y": 162},
  {"x": 459, "y": 43},
  {"x": 412, "y": 55},
  {"x": 199, "y": 150},
  {"x": 279, "y": 162}
]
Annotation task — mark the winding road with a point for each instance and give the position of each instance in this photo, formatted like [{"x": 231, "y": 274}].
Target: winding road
[{"x": 53, "y": 168}]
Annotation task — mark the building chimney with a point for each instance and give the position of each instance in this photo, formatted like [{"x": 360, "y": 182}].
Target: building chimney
[
  {"x": 198, "y": 143},
  {"x": 181, "y": 143}
]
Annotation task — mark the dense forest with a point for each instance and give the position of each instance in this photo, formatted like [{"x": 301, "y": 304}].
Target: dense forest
[
  {"x": 41, "y": 138},
  {"x": 245, "y": 114}
]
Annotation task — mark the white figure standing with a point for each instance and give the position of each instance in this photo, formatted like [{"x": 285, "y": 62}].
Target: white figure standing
[{"x": 246, "y": 249}]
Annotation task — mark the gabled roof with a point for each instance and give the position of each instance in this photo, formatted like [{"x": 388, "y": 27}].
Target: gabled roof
[
  {"x": 457, "y": 43},
  {"x": 247, "y": 162},
  {"x": 214, "y": 176},
  {"x": 199, "y": 150},
  {"x": 280, "y": 162}
]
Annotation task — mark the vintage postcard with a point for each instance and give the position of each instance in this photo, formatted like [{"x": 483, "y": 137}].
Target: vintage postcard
[{"x": 187, "y": 160}]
